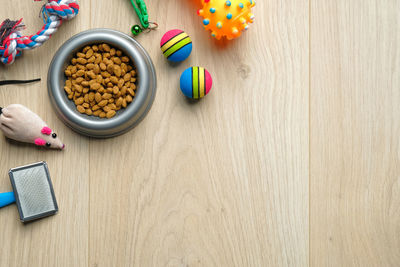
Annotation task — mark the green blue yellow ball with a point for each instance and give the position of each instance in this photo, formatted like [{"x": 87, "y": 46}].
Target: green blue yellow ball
[
  {"x": 176, "y": 45},
  {"x": 195, "y": 82}
]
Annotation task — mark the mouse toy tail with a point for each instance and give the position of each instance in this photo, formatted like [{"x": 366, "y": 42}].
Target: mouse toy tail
[{"x": 19, "y": 81}]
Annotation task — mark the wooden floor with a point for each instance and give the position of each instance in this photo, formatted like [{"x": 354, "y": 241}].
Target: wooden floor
[{"x": 292, "y": 160}]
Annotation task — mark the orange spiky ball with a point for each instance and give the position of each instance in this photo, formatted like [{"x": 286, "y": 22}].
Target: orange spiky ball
[{"x": 226, "y": 17}]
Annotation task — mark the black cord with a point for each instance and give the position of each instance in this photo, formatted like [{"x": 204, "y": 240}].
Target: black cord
[{"x": 18, "y": 81}]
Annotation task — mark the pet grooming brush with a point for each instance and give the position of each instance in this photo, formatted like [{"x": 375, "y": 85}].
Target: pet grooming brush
[{"x": 33, "y": 192}]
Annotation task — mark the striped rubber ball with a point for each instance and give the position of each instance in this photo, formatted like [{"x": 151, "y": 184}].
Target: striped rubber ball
[
  {"x": 196, "y": 82},
  {"x": 176, "y": 45}
]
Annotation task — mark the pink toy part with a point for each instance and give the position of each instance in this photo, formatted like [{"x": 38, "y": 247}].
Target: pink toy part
[
  {"x": 46, "y": 130},
  {"x": 169, "y": 35},
  {"x": 40, "y": 142},
  {"x": 208, "y": 81}
]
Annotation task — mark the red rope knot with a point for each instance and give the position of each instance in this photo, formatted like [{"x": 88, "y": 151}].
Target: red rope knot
[
  {"x": 11, "y": 40},
  {"x": 8, "y": 27}
]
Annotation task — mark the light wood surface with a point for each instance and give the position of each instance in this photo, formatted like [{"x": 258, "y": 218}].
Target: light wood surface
[
  {"x": 355, "y": 133},
  {"x": 292, "y": 160}
]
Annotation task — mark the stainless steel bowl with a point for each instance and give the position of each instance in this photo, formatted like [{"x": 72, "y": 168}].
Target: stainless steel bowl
[{"x": 125, "y": 119}]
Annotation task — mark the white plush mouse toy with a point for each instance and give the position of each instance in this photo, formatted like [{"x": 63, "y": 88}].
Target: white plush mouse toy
[{"x": 19, "y": 123}]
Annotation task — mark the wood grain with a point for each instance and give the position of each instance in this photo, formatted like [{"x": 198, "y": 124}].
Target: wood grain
[
  {"x": 292, "y": 160},
  {"x": 221, "y": 182},
  {"x": 355, "y": 129},
  {"x": 61, "y": 240}
]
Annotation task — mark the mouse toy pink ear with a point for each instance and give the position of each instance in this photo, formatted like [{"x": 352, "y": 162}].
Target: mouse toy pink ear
[
  {"x": 40, "y": 142},
  {"x": 46, "y": 130}
]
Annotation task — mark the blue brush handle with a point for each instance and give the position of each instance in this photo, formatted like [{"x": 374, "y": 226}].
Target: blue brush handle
[{"x": 6, "y": 199}]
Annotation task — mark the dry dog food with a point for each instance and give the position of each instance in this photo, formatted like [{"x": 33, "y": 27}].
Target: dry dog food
[{"x": 100, "y": 81}]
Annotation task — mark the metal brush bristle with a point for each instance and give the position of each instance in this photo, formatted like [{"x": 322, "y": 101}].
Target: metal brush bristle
[{"x": 33, "y": 191}]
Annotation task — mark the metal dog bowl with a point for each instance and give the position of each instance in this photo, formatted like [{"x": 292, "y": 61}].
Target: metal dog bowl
[{"x": 125, "y": 119}]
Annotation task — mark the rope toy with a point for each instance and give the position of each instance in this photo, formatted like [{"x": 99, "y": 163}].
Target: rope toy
[{"x": 12, "y": 42}]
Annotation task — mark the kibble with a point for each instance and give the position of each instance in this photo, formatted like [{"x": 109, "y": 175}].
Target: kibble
[
  {"x": 80, "y": 108},
  {"x": 110, "y": 113},
  {"x": 100, "y": 81}
]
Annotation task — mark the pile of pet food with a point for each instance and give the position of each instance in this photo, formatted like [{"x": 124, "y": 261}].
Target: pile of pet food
[{"x": 100, "y": 80}]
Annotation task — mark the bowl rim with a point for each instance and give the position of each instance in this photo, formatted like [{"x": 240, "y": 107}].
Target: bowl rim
[{"x": 123, "y": 121}]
